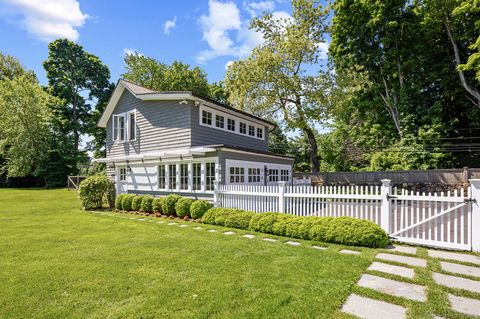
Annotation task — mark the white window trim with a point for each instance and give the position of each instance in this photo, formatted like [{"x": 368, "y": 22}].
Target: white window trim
[
  {"x": 134, "y": 112},
  {"x": 115, "y": 120},
  {"x": 249, "y": 164},
  {"x": 227, "y": 116}
]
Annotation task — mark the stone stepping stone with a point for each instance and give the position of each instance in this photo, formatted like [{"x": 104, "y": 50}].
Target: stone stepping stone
[
  {"x": 456, "y": 282},
  {"x": 349, "y": 252},
  {"x": 161, "y": 222},
  {"x": 197, "y": 228},
  {"x": 465, "y": 305},
  {"x": 293, "y": 243},
  {"x": 391, "y": 269},
  {"x": 270, "y": 240},
  {"x": 460, "y": 269},
  {"x": 319, "y": 247},
  {"x": 171, "y": 224},
  {"x": 403, "y": 249},
  {"x": 229, "y": 233},
  {"x": 182, "y": 226},
  {"x": 141, "y": 219},
  {"x": 454, "y": 256},
  {"x": 412, "y": 261},
  {"x": 249, "y": 236},
  {"x": 212, "y": 231},
  {"x": 393, "y": 287},
  {"x": 372, "y": 309}
]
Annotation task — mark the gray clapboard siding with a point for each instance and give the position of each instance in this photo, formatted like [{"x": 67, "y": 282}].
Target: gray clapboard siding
[{"x": 204, "y": 135}]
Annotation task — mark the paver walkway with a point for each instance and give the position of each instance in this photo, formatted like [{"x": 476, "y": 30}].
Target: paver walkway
[
  {"x": 393, "y": 287},
  {"x": 465, "y": 305},
  {"x": 403, "y": 249},
  {"x": 460, "y": 269},
  {"x": 457, "y": 282},
  {"x": 412, "y": 261},
  {"x": 372, "y": 309},
  {"x": 454, "y": 256},
  {"x": 392, "y": 269},
  {"x": 349, "y": 252}
]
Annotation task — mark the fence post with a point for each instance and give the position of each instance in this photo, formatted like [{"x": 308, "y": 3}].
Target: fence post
[
  {"x": 385, "y": 210},
  {"x": 281, "y": 197},
  {"x": 215, "y": 194},
  {"x": 475, "y": 225}
]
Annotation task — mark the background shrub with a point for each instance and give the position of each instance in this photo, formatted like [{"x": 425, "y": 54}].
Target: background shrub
[
  {"x": 198, "y": 208},
  {"x": 182, "y": 207},
  {"x": 263, "y": 222},
  {"x": 168, "y": 204},
  {"x": 137, "y": 202},
  {"x": 118, "y": 201},
  {"x": 147, "y": 204},
  {"x": 157, "y": 204},
  {"x": 93, "y": 192},
  {"x": 127, "y": 202}
]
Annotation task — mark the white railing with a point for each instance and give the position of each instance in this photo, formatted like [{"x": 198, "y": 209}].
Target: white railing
[{"x": 448, "y": 220}]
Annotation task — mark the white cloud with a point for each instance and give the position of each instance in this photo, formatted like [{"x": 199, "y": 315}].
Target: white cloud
[
  {"x": 323, "y": 47},
  {"x": 128, "y": 51},
  {"x": 255, "y": 8},
  {"x": 49, "y": 19},
  {"x": 169, "y": 25}
]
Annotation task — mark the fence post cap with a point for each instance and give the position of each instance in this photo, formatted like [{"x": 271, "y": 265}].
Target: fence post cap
[
  {"x": 385, "y": 181},
  {"x": 282, "y": 183}
]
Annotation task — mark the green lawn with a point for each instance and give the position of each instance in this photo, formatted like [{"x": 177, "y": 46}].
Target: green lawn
[{"x": 57, "y": 261}]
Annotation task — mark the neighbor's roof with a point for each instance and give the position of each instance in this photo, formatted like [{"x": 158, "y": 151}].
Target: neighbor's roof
[{"x": 150, "y": 95}]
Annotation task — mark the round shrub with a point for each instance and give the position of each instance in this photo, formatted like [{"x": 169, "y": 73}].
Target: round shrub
[
  {"x": 263, "y": 222},
  {"x": 127, "y": 202},
  {"x": 293, "y": 228},
  {"x": 157, "y": 205},
  {"x": 238, "y": 219},
  {"x": 280, "y": 225},
  {"x": 182, "y": 207},
  {"x": 356, "y": 232},
  {"x": 318, "y": 231},
  {"x": 94, "y": 190},
  {"x": 118, "y": 201},
  {"x": 198, "y": 208},
  {"x": 168, "y": 205},
  {"x": 147, "y": 204},
  {"x": 210, "y": 215},
  {"x": 137, "y": 202}
]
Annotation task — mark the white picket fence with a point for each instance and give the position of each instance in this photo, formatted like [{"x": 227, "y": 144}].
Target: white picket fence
[{"x": 447, "y": 220}]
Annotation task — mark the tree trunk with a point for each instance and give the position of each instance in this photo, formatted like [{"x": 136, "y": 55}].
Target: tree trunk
[
  {"x": 315, "y": 163},
  {"x": 74, "y": 121}
]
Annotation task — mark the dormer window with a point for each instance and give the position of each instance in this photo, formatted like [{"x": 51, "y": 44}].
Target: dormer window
[
  {"x": 206, "y": 118},
  {"x": 118, "y": 127},
  {"x": 251, "y": 130},
  {"x": 231, "y": 125},
  {"x": 219, "y": 121},
  {"x": 243, "y": 128}
]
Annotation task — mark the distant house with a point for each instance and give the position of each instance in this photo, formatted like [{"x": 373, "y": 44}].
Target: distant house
[{"x": 176, "y": 142}]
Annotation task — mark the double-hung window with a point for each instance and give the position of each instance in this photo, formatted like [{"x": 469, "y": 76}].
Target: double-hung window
[
  {"x": 273, "y": 175},
  {"x": 209, "y": 176},
  {"x": 162, "y": 182},
  {"x": 284, "y": 175},
  {"x": 243, "y": 128},
  {"x": 237, "y": 175},
  {"x": 123, "y": 174},
  {"x": 119, "y": 128},
  {"x": 231, "y": 125},
  {"x": 259, "y": 132},
  {"x": 132, "y": 126},
  {"x": 219, "y": 121},
  {"x": 172, "y": 176},
  {"x": 251, "y": 130},
  {"x": 253, "y": 175},
  {"x": 183, "y": 176},
  {"x": 207, "y": 118},
  {"x": 196, "y": 176}
]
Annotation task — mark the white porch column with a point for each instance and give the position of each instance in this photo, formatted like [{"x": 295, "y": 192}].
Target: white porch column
[
  {"x": 203, "y": 172},
  {"x": 177, "y": 172},
  {"x": 475, "y": 226},
  {"x": 385, "y": 209},
  {"x": 190, "y": 177}
]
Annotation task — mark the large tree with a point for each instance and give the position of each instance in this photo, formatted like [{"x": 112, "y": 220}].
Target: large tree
[
  {"x": 78, "y": 78},
  {"x": 276, "y": 79}
]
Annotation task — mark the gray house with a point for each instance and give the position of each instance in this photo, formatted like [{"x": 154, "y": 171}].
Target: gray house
[{"x": 176, "y": 142}]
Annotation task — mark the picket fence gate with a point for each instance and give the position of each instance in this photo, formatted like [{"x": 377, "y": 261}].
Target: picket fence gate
[{"x": 446, "y": 220}]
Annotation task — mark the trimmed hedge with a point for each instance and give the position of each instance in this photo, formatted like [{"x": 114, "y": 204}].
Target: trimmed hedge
[
  {"x": 168, "y": 204},
  {"x": 95, "y": 190},
  {"x": 127, "y": 202},
  {"x": 147, "y": 204},
  {"x": 340, "y": 230},
  {"x": 118, "y": 201},
  {"x": 157, "y": 204},
  {"x": 198, "y": 208},
  {"x": 182, "y": 207},
  {"x": 137, "y": 202}
]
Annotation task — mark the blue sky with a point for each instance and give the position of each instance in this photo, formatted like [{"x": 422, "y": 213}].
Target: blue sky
[{"x": 205, "y": 33}]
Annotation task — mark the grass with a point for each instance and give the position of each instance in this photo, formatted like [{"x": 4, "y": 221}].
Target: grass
[{"x": 57, "y": 261}]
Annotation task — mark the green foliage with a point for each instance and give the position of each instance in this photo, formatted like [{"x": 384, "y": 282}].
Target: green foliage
[
  {"x": 157, "y": 204},
  {"x": 239, "y": 219},
  {"x": 319, "y": 229},
  {"x": 263, "y": 222},
  {"x": 168, "y": 204},
  {"x": 119, "y": 200},
  {"x": 293, "y": 228},
  {"x": 147, "y": 204},
  {"x": 280, "y": 225},
  {"x": 127, "y": 202},
  {"x": 198, "y": 208},
  {"x": 182, "y": 207},
  {"x": 94, "y": 190},
  {"x": 137, "y": 202},
  {"x": 356, "y": 232}
]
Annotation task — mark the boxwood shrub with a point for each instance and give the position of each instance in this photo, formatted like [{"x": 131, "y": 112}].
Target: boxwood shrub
[
  {"x": 118, "y": 201},
  {"x": 182, "y": 207},
  {"x": 168, "y": 204},
  {"x": 147, "y": 204},
  {"x": 157, "y": 204},
  {"x": 95, "y": 190},
  {"x": 340, "y": 230},
  {"x": 137, "y": 202},
  {"x": 198, "y": 208},
  {"x": 127, "y": 202}
]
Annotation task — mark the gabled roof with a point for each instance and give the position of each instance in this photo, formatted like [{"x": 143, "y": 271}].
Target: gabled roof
[{"x": 149, "y": 95}]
